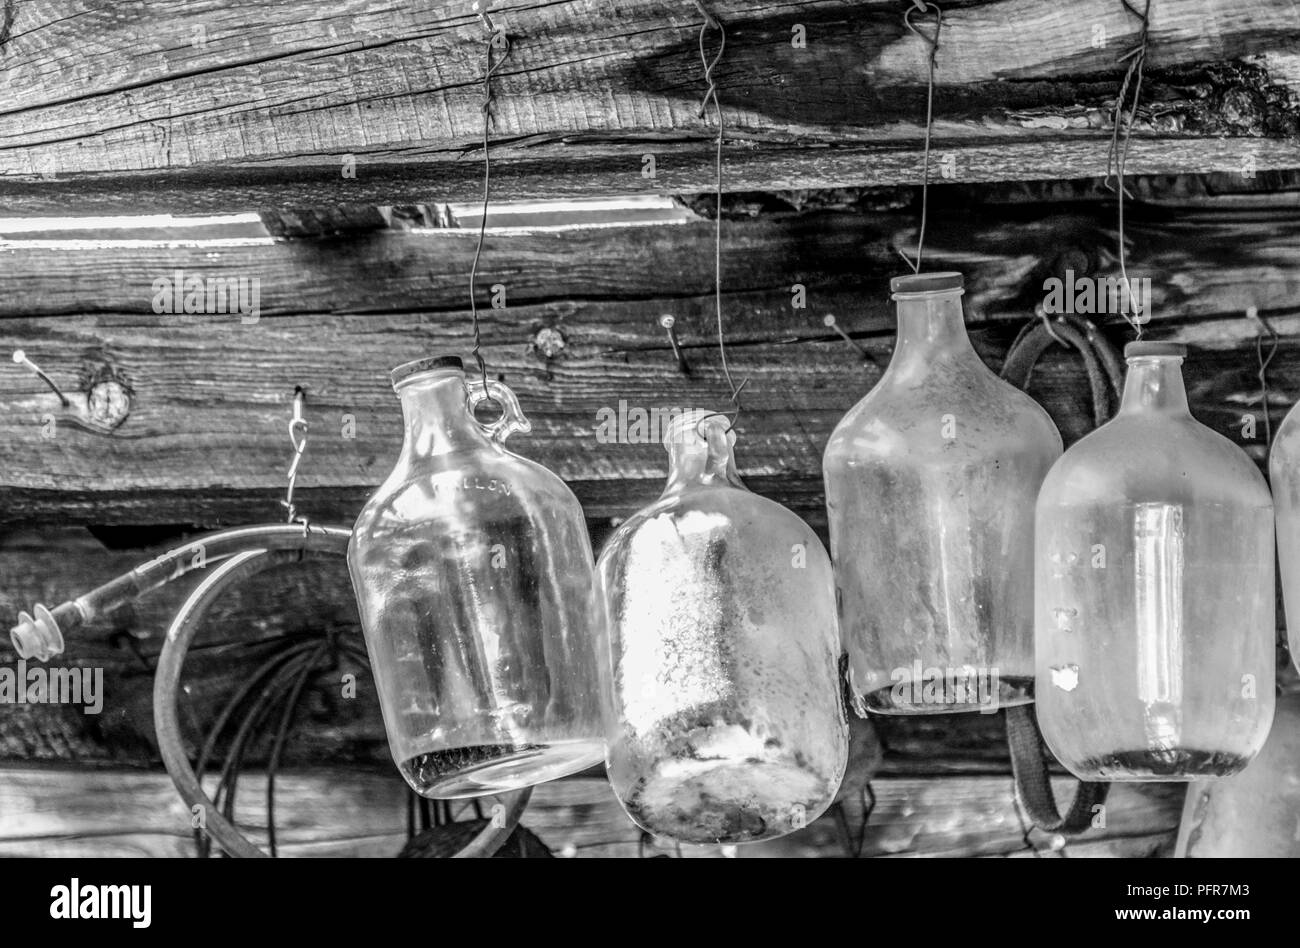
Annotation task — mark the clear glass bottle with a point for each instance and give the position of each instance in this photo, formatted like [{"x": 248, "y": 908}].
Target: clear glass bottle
[
  {"x": 1154, "y": 625},
  {"x": 473, "y": 571},
  {"x": 1284, "y": 477},
  {"x": 930, "y": 487},
  {"x": 1255, "y": 814},
  {"x": 729, "y": 724}
]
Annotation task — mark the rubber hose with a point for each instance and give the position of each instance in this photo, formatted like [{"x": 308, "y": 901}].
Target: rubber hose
[{"x": 235, "y": 569}]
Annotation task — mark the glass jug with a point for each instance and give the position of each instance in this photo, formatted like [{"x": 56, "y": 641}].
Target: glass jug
[
  {"x": 1284, "y": 476},
  {"x": 473, "y": 572},
  {"x": 930, "y": 487},
  {"x": 1154, "y": 585},
  {"x": 1255, "y": 814},
  {"x": 729, "y": 722}
]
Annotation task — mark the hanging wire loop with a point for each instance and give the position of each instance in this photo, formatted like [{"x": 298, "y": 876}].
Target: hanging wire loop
[
  {"x": 1122, "y": 134},
  {"x": 297, "y": 438},
  {"x": 497, "y": 42},
  {"x": 1263, "y": 326},
  {"x": 711, "y": 22},
  {"x": 931, "y": 40}
]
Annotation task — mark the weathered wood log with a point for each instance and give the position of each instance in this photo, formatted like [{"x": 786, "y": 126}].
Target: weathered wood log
[
  {"x": 204, "y": 442},
  {"x": 63, "y": 811},
  {"x": 184, "y": 104},
  {"x": 1251, "y": 242}
]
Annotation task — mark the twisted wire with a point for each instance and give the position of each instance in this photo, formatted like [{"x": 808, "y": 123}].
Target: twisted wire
[
  {"x": 711, "y": 96},
  {"x": 1117, "y": 157},
  {"x": 933, "y": 43},
  {"x": 497, "y": 38}
]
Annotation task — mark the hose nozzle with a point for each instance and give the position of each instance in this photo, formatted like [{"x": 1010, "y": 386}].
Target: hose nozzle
[{"x": 37, "y": 636}]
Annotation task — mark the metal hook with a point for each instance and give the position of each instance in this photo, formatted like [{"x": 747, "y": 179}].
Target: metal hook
[
  {"x": 931, "y": 41},
  {"x": 668, "y": 322},
  {"x": 20, "y": 358},
  {"x": 297, "y": 438},
  {"x": 482, "y": 10}
]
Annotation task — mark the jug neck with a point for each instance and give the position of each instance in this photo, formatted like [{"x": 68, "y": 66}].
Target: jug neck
[
  {"x": 699, "y": 445},
  {"x": 436, "y": 415},
  {"x": 931, "y": 327},
  {"x": 1155, "y": 384}
]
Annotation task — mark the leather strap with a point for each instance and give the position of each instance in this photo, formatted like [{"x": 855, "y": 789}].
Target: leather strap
[{"x": 1029, "y": 760}]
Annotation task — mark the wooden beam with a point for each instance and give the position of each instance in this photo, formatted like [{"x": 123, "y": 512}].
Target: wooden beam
[
  {"x": 191, "y": 104},
  {"x": 79, "y": 812},
  {"x": 204, "y": 442}
]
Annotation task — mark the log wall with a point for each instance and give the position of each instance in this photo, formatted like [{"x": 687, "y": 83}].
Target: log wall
[
  {"x": 205, "y": 445},
  {"x": 192, "y": 104},
  {"x": 346, "y": 136}
]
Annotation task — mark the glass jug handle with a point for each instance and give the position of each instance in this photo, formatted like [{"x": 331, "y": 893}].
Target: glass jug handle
[{"x": 512, "y": 418}]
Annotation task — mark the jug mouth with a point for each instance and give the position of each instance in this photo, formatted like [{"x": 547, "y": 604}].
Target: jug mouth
[
  {"x": 1155, "y": 350},
  {"x": 915, "y": 285},
  {"x": 408, "y": 370}
]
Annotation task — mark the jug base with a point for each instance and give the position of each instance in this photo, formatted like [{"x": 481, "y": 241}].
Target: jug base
[
  {"x": 497, "y": 768},
  {"x": 723, "y": 802},
  {"x": 910, "y": 698},
  {"x": 1151, "y": 766}
]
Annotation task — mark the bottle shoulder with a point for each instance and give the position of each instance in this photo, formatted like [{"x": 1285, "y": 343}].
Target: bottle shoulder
[
  {"x": 938, "y": 418},
  {"x": 432, "y": 486},
  {"x": 1163, "y": 457},
  {"x": 714, "y": 512}
]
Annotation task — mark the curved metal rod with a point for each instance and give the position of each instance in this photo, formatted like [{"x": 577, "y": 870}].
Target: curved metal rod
[{"x": 232, "y": 570}]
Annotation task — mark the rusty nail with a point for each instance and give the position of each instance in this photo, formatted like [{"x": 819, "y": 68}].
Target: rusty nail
[
  {"x": 829, "y": 322},
  {"x": 669, "y": 322},
  {"x": 20, "y": 358}
]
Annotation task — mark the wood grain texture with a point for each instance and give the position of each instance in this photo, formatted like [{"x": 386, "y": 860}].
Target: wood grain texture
[
  {"x": 67, "y": 811},
  {"x": 205, "y": 441},
  {"x": 205, "y": 104},
  {"x": 1205, "y": 253}
]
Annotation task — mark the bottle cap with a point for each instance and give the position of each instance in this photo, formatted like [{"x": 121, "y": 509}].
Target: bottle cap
[
  {"x": 1136, "y": 350},
  {"x": 926, "y": 283},
  {"x": 407, "y": 369}
]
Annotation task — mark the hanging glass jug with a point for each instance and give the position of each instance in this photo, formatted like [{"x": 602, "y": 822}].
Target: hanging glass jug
[
  {"x": 930, "y": 487},
  {"x": 729, "y": 722},
  {"x": 1255, "y": 814},
  {"x": 1284, "y": 476},
  {"x": 1154, "y": 617},
  {"x": 473, "y": 571}
]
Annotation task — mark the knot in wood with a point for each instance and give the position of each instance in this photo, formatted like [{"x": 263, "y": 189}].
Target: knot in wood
[
  {"x": 548, "y": 342},
  {"x": 108, "y": 395}
]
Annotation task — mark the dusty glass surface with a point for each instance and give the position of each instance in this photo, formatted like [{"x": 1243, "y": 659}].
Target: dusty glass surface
[
  {"x": 473, "y": 571},
  {"x": 930, "y": 487},
  {"x": 1155, "y": 602},
  {"x": 729, "y": 722},
  {"x": 1284, "y": 477}
]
